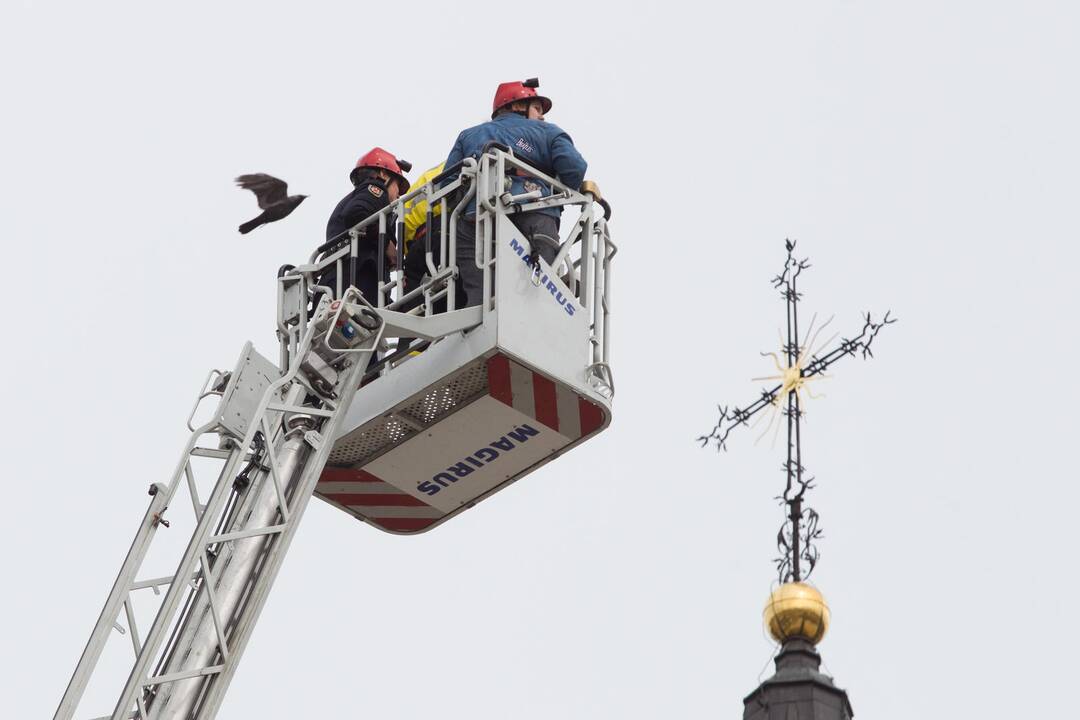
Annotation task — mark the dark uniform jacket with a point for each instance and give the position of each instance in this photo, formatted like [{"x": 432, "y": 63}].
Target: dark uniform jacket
[
  {"x": 543, "y": 145},
  {"x": 367, "y": 198}
]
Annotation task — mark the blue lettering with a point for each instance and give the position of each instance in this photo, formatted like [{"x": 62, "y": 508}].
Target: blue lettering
[
  {"x": 523, "y": 432},
  {"x": 545, "y": 282},
  {"x": 461, "y": 469},
  {"x": 520, "y": 434},
  {"x": 486, "y": 454}
]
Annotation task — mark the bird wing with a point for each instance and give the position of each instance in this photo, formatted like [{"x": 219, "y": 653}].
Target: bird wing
[{"x": 267, "y": 188}]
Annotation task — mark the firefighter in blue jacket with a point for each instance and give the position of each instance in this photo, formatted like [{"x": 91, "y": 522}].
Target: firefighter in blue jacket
[
  {"x": 378, "y": 180},
  {"x": 517, "y": 121}
]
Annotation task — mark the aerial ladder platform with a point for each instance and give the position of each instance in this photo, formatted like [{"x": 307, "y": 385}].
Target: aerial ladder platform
[{"x": 402, "y": 438}]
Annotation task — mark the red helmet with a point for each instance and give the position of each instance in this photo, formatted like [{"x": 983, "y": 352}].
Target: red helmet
[
  {"x": 383, "y": 160},
  {"x": 509, "y": 92}
]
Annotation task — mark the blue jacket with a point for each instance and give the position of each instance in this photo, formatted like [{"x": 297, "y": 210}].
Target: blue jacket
[{"x": 541, "y": 144}]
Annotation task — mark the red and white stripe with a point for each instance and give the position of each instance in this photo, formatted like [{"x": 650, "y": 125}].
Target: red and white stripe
[
  {"x": 380, "y": 502},
  {"x": 532, "y": 394}
]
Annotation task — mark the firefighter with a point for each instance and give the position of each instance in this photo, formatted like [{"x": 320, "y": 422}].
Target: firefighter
[
  {"x": 517, "y": 121},
  {"x": 378, "y": 180},
  {"x": 418, "y": 234}
]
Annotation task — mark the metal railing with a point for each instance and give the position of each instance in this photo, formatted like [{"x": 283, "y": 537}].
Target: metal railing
[{"x": 480, "y": 186}]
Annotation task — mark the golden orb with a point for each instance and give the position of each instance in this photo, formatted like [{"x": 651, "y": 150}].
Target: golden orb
[{"x": 796, "y": 610}]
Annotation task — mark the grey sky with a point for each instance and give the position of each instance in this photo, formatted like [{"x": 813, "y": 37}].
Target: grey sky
[{"x": 925, "y": 156}]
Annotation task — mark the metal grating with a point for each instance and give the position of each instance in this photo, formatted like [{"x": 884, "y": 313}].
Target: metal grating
[
  {"x": 443, "y": 399},
  {"x": 382, "y": 434}
]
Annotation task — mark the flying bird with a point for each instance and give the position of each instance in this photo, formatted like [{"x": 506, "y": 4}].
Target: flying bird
[{"x": 273, "y": 198}]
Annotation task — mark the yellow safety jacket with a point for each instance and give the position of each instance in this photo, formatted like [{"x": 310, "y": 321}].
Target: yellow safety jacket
[{"x": 416, "y": 209}]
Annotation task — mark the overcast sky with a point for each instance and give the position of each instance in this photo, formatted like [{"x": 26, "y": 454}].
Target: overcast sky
[{"x": 924, "y": 154}]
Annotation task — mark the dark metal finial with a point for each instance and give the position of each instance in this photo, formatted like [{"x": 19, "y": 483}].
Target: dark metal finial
[{"x": 799, "y": 532}]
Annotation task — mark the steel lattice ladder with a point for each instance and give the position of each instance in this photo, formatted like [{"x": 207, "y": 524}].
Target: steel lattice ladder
[{"x": 274, "y": 433}]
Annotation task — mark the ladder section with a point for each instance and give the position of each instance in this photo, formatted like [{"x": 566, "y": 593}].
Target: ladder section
[{"x": 273, "y": 435}]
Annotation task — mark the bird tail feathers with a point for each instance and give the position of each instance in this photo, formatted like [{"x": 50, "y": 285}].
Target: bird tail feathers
[{"x": 249, "y": 226}]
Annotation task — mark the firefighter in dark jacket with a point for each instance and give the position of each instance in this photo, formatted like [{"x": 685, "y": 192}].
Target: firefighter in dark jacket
[
  {"x": 378, "y": 180},
  {"x": 517, "y": 121}
]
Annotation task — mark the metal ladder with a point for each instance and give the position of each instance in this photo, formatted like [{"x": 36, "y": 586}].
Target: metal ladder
[{"x": 274, "y": 433}]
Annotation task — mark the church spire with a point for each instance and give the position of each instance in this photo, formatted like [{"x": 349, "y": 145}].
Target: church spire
[
  {"x": 796, "y": 614},
  {"x": 797, "y": 618}
]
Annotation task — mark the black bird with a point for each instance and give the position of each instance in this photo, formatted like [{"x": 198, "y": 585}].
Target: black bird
[{"x": 273, "y": 198}]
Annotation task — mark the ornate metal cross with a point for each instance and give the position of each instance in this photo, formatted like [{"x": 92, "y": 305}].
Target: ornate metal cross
[{"x": 802, "y": 362}]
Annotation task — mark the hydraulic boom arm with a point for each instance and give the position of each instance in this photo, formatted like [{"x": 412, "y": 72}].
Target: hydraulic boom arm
[{"x": 274, "y": 432}]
